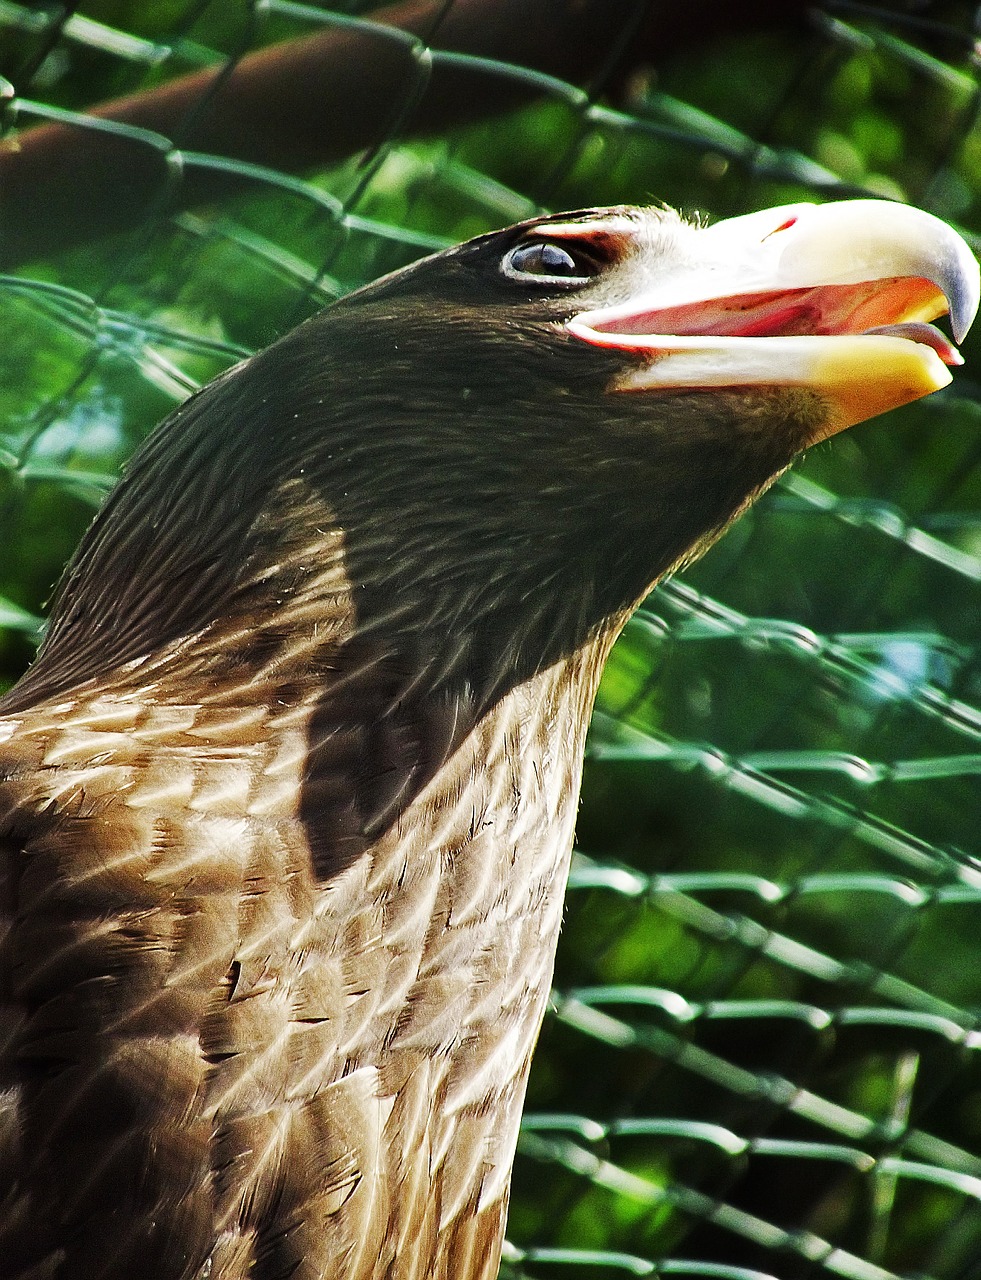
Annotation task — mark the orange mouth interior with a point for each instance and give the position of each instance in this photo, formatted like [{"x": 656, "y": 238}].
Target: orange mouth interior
[{"x": 900, "y": 306}]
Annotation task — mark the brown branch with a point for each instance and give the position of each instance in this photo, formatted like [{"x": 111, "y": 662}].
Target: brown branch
[{"x": 315, "y": 100}]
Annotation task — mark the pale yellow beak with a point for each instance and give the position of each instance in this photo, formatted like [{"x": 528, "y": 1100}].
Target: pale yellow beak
[{"x": 836, "y": 298}]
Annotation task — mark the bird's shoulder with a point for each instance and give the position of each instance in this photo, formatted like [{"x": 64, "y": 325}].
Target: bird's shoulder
[
  {"x": 128, "y": 833},
  {"x": 78, "y": 758}
]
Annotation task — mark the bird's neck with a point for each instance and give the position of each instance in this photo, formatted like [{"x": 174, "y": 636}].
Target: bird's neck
[{"x": 456, "y": 614}]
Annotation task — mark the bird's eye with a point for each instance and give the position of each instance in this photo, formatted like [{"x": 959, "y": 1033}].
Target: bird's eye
[{"x": 546, "y": 262}]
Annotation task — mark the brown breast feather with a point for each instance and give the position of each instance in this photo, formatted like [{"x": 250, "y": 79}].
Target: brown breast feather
[{"x": 232, "y": 1057}]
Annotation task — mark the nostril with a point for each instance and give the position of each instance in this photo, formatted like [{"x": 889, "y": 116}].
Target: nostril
[{"x": 784, "y": 226}]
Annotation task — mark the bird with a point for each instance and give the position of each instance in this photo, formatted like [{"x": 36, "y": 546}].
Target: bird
[{"x": 287, "y": 799}]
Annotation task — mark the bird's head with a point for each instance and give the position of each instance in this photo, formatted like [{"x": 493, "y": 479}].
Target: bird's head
[
  {"x": 834, "y": 300},
  {"x": 623, "y": 373},
  {"x": 520, "y": 435}
]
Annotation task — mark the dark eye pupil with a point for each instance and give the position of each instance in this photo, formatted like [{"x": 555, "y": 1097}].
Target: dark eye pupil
[{"x": 545, "y": 259}]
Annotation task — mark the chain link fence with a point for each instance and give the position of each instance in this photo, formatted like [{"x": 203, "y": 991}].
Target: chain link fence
[{"x": 764, "y": 1055}]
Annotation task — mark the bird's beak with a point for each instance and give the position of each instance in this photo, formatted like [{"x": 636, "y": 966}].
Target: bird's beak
[{"x": 835, "y": 297}]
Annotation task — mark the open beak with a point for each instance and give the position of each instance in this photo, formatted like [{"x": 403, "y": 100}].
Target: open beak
[{"x": 836, "y": 297}]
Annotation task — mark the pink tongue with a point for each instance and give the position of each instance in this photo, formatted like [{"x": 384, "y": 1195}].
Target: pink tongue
[{"x": 927, "y": 334}]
